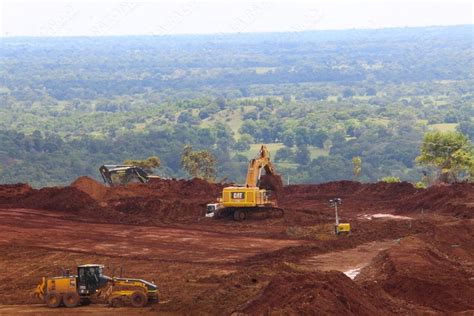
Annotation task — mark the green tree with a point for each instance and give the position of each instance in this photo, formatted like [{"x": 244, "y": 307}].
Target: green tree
[
  {"x": 198, "y": 164},
  {"x": 302, "y": 155},
  {"x": 450, "y": 152},
  {"x": 302, "y": 136},
  {"x": 318, "y": 138},
  {"x": 187, "y": 117},
  {"x": 249, "y": 127},
  {"x": 221, "y": 102},
  {"x": 347, "y": 93},
  {"x": 284, "y": 154},
  {"x": 148, "y": 164},
  {"x": 243, "y": 143},
  {"x": 356, "y": 166},
  {"x": 288, "y": 138},
  {"x": 467, "y": 128},
  {"x": 371, "y": 91}
]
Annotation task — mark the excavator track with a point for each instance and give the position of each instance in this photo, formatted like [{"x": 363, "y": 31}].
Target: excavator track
[
  {"x": 267, "y": 212},
  {"x": 242, "y": 213}
]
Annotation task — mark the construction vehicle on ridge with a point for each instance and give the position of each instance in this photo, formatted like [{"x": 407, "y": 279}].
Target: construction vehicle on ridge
[
  {"x": 255, "y": 196},
  {"x": 90, "y": 282},
  {"x": 124, "y": 174}
]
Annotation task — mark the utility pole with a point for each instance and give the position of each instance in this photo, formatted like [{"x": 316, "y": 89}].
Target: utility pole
[{"x": 334, "y": 203}]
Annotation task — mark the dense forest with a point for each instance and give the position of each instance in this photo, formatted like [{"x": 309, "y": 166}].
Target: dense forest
[{"x": 317, "y": 99}]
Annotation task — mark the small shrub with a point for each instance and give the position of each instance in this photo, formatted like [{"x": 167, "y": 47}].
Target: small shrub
[
  {"x": 391, "y": 179},
  {"x": 420, "y": 185}
]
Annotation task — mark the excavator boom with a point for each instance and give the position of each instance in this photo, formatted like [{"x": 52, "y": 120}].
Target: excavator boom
[
  {"x": 262, "y": 161},
  {"x": 124, "y": 173}
]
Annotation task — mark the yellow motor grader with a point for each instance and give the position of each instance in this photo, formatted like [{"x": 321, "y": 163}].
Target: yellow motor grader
[{"x": 90, "y": 282}]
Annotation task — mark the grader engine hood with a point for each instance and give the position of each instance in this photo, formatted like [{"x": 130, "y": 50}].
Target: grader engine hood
[{"x": 126, "y": 281}]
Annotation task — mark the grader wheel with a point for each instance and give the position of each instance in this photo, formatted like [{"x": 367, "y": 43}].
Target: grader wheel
[
  {"x": 52, "y": 299},
  {"x": 116, "y": 302},
  {"x": 85, "y": 301},
  {"x": 71, "y": 299},
  {"x": 138, "y": 299}
]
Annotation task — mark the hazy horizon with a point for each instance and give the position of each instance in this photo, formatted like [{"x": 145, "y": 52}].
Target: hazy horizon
[
  {"x": 243, "y": 33},
  {"x": 107, "y": 18}
]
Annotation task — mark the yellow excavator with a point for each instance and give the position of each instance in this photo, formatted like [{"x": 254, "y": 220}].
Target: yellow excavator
[
  {"x": 90, "y": 283},
  {"x": 256, "y": 196}
]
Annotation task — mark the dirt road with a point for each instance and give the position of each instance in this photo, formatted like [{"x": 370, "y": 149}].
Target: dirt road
[
  {"x": 49, "y": 230},
  {"x": 349, "y": 261}
]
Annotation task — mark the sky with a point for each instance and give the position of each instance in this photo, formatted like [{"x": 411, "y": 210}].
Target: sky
[{"x": 107, "y": 17}]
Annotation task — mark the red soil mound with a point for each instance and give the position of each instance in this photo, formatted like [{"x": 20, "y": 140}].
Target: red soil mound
[
  {"x": 186, "y": 188},
  {"x": 152, "y": 210},
  {"x": 165, "y": 200},
  {"x": 64, "y": 199},
  {"x": 8, "y": 190},
  {"x": 421, "y": 274},
  {"x": 334, "y": 189},
  {"x": 12, "y": 193},
  {"x": 315, "y": 293},
  {"x": 387, "y": 190},
  {"x": 67, "y": 199},
  {"x": 161, "y": 200},
  {"x": 90, "y": 186},
  {"x": 350, "y": 188},
  {"x": 454, "y": 239},
  {"x": 357, "y": 198},
  {"x": 456, "y": 199},
  {"x": 167, "y": 189}
]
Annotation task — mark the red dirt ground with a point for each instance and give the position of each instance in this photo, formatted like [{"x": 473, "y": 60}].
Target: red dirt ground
[{"x": 422, "y": 262}]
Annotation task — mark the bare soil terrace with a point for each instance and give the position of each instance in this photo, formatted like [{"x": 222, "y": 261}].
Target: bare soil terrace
[{"x": 420, "y": 260}]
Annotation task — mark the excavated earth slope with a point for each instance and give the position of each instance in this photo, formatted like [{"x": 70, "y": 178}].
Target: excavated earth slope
[{"x": 419, "y": 247}]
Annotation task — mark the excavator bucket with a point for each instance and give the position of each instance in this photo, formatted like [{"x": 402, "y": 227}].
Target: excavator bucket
[{"x": 271, "y": 182}]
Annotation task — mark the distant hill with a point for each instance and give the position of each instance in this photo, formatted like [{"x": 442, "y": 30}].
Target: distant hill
[{"x": 68, "y": 105}]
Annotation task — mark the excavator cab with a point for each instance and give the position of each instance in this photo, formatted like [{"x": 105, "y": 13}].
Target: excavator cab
[{"x": 211, "y": 209}]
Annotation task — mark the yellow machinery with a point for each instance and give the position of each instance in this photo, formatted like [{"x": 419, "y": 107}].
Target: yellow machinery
[
  {"x": 255, "y": 195},
  {"x": 73, "y": 290},
  {"x": 342, "y": 228},
  {"x": 339, "y": 227},
  {"x": 124, "y": 174}
]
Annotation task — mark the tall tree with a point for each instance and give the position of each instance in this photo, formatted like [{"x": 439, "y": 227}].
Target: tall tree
[
  {"x": 356, "y": 166},
  {"x": 302, "y": 155},
  {"x": 450, "y": 152},
  {"x": 198, "y": 164}
]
